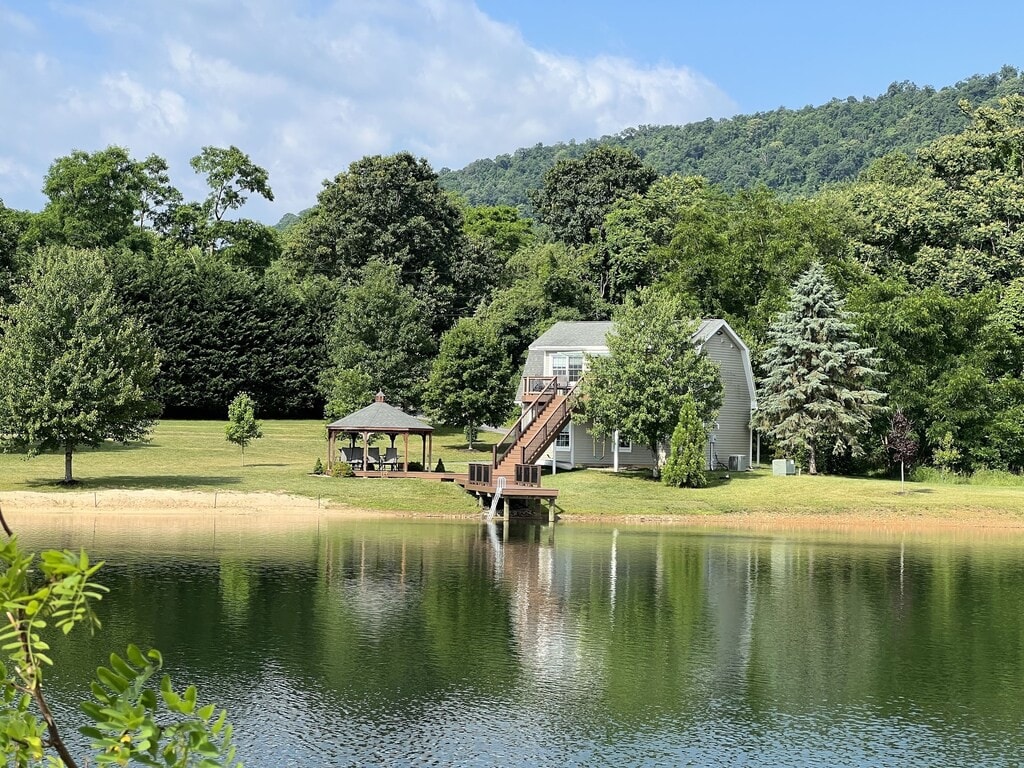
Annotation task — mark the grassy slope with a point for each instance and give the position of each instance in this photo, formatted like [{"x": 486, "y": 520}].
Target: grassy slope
[{"x": 193, "y": 455}]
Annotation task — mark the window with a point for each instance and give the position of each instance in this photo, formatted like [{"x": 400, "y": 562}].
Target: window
[
  {"x": 568, "y": 367},
  {"x": 575, "y": 367},
  {"x": 560, "y": 366},
  {"x": 562, "y": 441},
  {"x": 625, "y": 444}
]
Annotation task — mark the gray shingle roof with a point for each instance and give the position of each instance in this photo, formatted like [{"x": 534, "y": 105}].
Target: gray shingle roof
[
  {"x": 380, "y": 417},
  {"x": 571, "y": 334},
  {"x": 574, "y": 334}
]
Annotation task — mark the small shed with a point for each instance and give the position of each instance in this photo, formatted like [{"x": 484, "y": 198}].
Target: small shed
[{"x": 382, "y": 419}]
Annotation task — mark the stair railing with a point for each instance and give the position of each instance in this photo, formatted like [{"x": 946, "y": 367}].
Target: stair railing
[
  {"x": 553, "y": 424},
  {"x": 545, "y": 388}
]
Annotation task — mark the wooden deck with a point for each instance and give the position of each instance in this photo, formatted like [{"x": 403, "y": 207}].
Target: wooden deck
[{"x": 512, "y": 490}]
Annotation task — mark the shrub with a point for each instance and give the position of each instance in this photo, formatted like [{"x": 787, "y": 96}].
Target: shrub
[
  {"x": 342, "y": 469},
  {"x": 318, "y": 468},
  {"x": 415, "y": 466},
  {"x": 440, "y": 466},
  {"x": 685, "y": 465}
]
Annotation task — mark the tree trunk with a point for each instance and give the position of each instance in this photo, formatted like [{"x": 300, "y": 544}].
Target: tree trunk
[
  {"x": 243, "y": 455},
  {"x": 902, "y": 486},
  {"x": 658, "y": 460},
  {"x": 812, "y": 465},
  {"x": 68, "y": 478},
  {"x": 469, "y": 435}
]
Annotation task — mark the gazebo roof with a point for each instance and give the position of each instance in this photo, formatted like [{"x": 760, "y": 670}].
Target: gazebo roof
[{"x": 379, "y": 416}]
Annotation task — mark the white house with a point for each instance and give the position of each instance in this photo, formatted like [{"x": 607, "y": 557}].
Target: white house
[{"x": 562, "y": 352}]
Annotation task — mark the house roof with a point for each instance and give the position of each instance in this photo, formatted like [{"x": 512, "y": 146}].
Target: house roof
[
  {"x": 570, "y": 334},
  {"x": 592, "y": 334},
  {"x": 379, "y": 417}
]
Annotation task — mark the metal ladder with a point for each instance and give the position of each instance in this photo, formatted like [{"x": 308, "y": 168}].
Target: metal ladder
[{"x": 499, "y": 486}]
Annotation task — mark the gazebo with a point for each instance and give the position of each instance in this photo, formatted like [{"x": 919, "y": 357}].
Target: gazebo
[{"x": 381, "y": 418}]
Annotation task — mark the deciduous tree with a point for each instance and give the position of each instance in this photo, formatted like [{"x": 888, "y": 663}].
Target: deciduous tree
[
  {"x": 229, "y": 173},
  {"x": 75, "y": 368},
  {"x": 640, "y": 387},
  {"x": 242, "y": 427},
  {"x": 471, "y": 379}
]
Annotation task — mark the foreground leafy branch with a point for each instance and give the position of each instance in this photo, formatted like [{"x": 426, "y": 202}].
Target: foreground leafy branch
[{"x": 131, "y": 721}]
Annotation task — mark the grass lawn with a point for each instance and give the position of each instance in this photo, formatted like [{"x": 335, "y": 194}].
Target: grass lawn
[
  {"x": 599, "y": 493},
  {"x": 193, "y": 455}
]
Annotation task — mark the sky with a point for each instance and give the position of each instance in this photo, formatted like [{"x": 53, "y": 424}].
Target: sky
[{"x": 308, "y": 86}]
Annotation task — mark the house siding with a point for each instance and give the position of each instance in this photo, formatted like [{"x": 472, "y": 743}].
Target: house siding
[{"x": 733, "y": 434}]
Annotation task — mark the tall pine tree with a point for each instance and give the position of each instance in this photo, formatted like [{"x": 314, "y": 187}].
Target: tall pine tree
[{"x": 816, "y": 393}]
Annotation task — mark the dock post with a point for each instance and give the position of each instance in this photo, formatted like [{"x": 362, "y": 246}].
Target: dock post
[{"x": 551, "y": 511}]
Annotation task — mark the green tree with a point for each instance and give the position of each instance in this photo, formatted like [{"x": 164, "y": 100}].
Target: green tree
[
  {"x": 816, "y": 389},
  {"x": 242, "y": 427},
  {"x": 130, "y": 722},
  {"x": 348, "y": 390},
  {"x": 158, "y": 197},
  {"x": 652, "y": 365},
  {"x": 93, "y": 200},
  {"x": 471, "y": 379},
  {"x": 685, "y": 464},
  {"x": 578, "y": 193},
  {"x": 229, "y": 173},
  {"x": 389, "y": 210},
  {"x": 75, "y": 369},
  {"x": 382, "y": 330}
]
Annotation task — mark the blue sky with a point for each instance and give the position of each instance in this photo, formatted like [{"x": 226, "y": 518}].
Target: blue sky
[{"x": 307, "y": 87}]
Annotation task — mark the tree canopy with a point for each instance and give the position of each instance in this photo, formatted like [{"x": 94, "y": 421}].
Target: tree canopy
[{"x": 75, "y": 368}]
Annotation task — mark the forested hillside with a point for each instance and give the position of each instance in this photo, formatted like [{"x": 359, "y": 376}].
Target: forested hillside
[{"x": 794, "y": 152}]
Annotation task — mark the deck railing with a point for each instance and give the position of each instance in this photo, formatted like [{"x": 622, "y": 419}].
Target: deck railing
[
  {"x": 528, "y": 474},
  {"x": 479, "y": 474}
]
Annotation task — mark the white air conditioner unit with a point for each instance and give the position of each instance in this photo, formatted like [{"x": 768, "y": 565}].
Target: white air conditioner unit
[{"x": 737, "y": 462}]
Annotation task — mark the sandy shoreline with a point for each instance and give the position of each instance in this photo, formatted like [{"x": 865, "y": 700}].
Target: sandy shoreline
[{"x": 283, "y": 509}]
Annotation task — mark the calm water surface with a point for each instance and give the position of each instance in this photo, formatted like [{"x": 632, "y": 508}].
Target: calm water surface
[{"x": 449, "y": 643}]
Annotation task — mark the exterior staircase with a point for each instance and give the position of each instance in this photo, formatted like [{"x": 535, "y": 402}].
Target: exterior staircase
[{"x": 547, "y": 409}]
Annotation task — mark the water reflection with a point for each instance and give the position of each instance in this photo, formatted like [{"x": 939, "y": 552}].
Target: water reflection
[{"x": 394, "y": 642}]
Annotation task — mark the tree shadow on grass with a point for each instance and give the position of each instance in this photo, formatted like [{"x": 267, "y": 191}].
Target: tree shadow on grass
[
  {"x": 136, "y": 482},
  {"x": 265, "y": 464}
]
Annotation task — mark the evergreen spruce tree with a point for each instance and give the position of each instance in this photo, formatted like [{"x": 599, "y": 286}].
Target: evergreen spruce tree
[
  {"x": 685, "y": 465},
  {"x": 817, "y": 392}
]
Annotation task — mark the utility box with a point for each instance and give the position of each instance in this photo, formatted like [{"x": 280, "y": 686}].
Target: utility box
[
  {"x": 738, "y": 463},
  {"x": 783, "y": 467}
]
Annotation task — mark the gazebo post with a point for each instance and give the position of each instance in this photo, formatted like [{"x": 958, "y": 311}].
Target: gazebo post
[
  {"x": 330, "y": 449},
  {"x": 366, "y": 450},
  {"x": 430, "y": 448},
  {"x": 423, "y": 461},
  {"x": 406, "y": 457}
]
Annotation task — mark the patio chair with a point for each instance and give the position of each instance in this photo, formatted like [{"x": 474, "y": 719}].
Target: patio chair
[
  {"x": 373, "y": 458},
  {"x": 353, "y": 457},
  {"x": 391, "y": 458}
]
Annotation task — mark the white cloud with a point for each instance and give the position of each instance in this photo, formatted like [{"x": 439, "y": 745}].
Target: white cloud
[{"x": 305, "y": 92}]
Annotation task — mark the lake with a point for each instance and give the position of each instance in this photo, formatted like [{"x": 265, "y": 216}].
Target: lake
[{"x": 434, "y": 643}]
